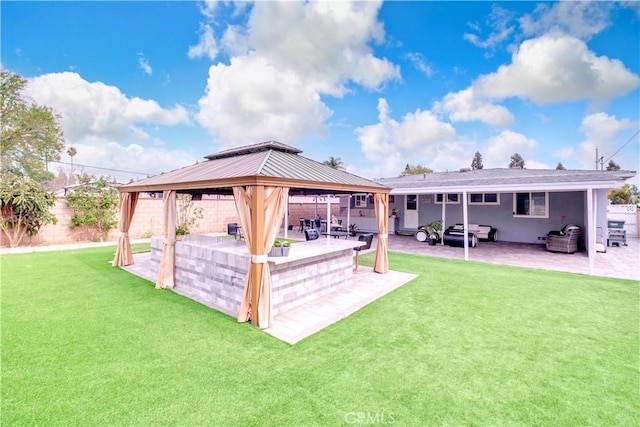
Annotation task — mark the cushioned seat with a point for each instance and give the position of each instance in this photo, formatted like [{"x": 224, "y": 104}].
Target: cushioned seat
[
  {"x": 368, "y": 238},
  {"x": 564, "y": 240}
]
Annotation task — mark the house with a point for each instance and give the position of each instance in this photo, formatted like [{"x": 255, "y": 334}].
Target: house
[{"x": 523, "y": 204}]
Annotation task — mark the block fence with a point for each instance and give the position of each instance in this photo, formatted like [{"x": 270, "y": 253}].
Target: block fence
[{"x": 147, "y": 221}]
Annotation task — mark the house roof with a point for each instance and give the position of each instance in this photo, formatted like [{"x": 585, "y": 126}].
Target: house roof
[
  {"x": 267, "y": 163},
  {"x": 506, "y": 180}
]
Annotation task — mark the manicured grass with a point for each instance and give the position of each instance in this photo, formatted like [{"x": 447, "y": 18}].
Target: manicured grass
[{"x": 87, "y": 344}]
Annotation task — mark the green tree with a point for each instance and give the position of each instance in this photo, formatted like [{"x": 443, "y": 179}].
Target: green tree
[
  {"x": 560, "y": 167},
  {"x": 334, "y": 162},
  {"x": 517, "y": 162},
  {"x": 415, "y": 170},
  {"x": 620, "y": 196},
  {"x": 95, "y": 204},
  {"x": 25, "y": 205},
  {"x": 613, "y": 166},
  {"x": 476, "y": 163},
  {"x": 30, "y": 133}
]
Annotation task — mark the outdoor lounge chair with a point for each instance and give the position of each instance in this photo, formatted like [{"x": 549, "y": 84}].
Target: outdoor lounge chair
[
  {"x": 234, "y": 230},
  {"x": 368, "y": 238},
  {"x": 565, "y": 240},
  {"x": 311, "y": 234}
]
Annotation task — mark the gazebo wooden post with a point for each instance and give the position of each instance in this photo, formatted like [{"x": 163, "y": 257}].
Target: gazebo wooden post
[{"x": 257, "y": 248}]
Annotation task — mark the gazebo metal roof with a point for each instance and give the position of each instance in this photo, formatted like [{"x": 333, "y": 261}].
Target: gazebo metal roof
[{"x": 268, "y": 163}]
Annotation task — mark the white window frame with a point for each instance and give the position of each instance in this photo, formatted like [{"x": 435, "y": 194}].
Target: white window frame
[
  {"x": 449, "y": 201},
  {"x": 484, "y": 202},
  {"x": 544, "y": 214},
  {"x": 360, "y": 201}
]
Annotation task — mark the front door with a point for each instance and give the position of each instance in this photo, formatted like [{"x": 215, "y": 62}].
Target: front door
[{"x": 411, "y": 211}]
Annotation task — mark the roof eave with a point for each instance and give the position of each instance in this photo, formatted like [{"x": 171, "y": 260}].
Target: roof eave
[{"x": 563, "y": 186}]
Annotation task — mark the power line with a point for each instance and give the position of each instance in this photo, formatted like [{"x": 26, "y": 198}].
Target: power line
[
  {"x": 630, "y": 139},
  {"x": 104, "y": 169}
]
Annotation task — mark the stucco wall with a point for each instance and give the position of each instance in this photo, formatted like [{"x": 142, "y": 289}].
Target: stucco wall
[{"x": 147, "y": 221}]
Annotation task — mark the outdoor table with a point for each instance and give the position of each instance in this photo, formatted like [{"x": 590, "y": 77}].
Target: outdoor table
[{"x": 336, "y": 234}]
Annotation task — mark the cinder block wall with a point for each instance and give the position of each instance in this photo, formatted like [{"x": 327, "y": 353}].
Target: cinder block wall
[{"x": 147, "y": 221}]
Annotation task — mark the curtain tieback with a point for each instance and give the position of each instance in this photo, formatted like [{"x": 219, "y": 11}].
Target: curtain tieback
[
  {"x": 383, "y": 236},
  {"x": 259, "y": 259},
  {"x": 124, "y": 234}
]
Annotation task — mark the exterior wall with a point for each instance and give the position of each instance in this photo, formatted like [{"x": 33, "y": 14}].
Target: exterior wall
[
  {"x": 147, "y": 220},
  {"x": 564, "y": 208}
]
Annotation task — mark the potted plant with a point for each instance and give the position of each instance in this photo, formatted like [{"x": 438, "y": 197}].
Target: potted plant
[
  {"x": 276, "y": 249},
  {"x": 353, "y": 230},
  {"x": 285, "y": 248},
  {"x": 181, "y": 230},
  {"x": 433, "y": 231}
]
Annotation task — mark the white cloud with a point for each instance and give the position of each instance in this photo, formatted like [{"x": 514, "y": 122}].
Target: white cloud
[
  {"x": 96, "y": 109},
  {"x": 466, "y": 106},
  {"x": 207, "y": 45},
  {"x": 272, "y": 88},
  {"x": 250, "y": 100},
  {"x": 420, "y": 63},
  {"x": 124, "y": 162},
  {"x": 500, "y": 22},
  {"x": 605, "y": 133},
  {"x": 420, "y": 138},
  {"x": 557, "y": 68},
  {"x": 582, "y": 19},
  {"x": 500, "y": 148},
  {"x": 143, "y": 63}
]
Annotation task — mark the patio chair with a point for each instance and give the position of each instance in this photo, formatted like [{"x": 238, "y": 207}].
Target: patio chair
[
  {"x": 368, "y": 238},
  {"x": 234, "y": 230},
  {"x": 565, "y": 240},
  {"x": 311, "y": 234}
]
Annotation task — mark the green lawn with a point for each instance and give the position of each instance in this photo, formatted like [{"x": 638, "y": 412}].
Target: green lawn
[{"x": 464, "y": 344}]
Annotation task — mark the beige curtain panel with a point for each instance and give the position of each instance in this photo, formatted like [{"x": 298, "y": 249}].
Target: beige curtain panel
[
  {"x": 274, "y": 206},
  {"x": 128, "y": 202},
  {"x": 166, "y": 270},
  {"x": 381, "y": 203}
]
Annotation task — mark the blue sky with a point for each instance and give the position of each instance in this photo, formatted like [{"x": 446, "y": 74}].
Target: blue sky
[{"x": 152, "y": 86}]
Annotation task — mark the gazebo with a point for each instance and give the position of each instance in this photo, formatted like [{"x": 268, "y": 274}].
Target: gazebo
[{"x": 260, "y": 177}]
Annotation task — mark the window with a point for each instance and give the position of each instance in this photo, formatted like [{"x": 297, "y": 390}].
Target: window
[
  {"x": 452, "y": 198},
  {"x": 412, "y": 202},
  {"x": 531, "y": 205},
  {"x": 361, "y": 201},
  {"x": 484, "y": 199}
]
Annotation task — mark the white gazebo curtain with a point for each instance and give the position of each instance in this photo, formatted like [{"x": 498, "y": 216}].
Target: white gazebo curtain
[
  {"x": 270, "y": 205},
  {"x": 128, "y": 202},
  {"x": 166, "y": 269}
]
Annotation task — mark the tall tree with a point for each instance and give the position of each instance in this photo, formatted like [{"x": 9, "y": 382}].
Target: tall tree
[
  {"x": 613, "y": 166},
  {"x": 415, "y": 170},
  {"x": 620, "y": 196},
  {"x": 476, "y": 163},
  {"x": 72, "y": 153},
  {"x": 560, "y": 167},
  {"x": 30, "y": 134},
  {"x": 517, "y": 162},
  {"x": 334, "y": 162},
  {"x": 95, "y": 204}
]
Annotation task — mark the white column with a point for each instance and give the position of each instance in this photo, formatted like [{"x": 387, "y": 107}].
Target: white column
[
  {"x": 286, "y": 218},
  {"x": 348, "y": 211},
  {"x": 591, "y": 228},
  {"x": 465, "y": 225},
  {"x": 328, "y": 214},
  {"x": 444, "y": 214}
]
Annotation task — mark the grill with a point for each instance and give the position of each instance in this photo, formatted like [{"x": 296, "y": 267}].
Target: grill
[{"x": 617, "y": 233}]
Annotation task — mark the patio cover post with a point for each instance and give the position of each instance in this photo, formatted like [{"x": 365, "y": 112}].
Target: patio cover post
[
  {"x": 167, "y": 267},
  {"x": 591, "y": 228},
  {"x": 444, "y": 214},
  {"x": 381, "y": 203},
  {"x": 128, "y": 202},
  {"x": 465, "y": 225}
]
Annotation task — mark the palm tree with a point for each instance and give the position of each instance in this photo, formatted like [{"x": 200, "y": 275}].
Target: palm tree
[
  {"x": 72, "y": 152},
  {"x": 334, "y": 162}
]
